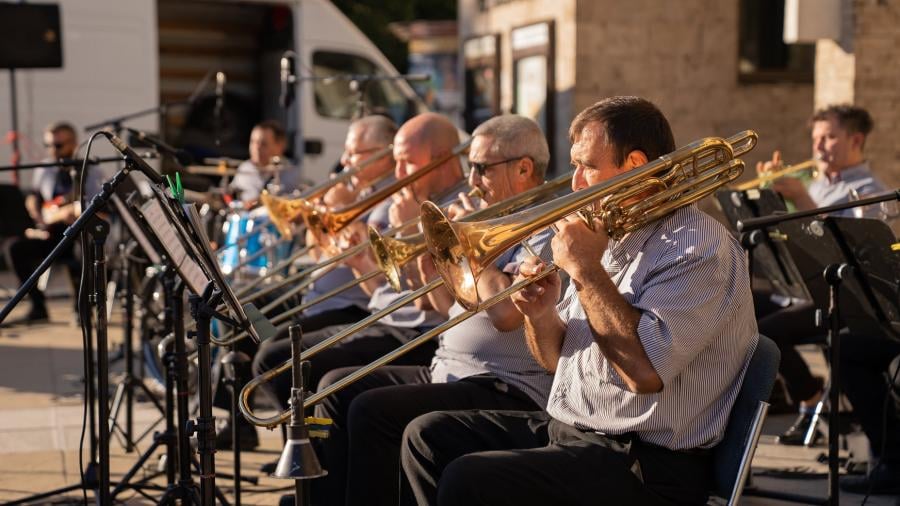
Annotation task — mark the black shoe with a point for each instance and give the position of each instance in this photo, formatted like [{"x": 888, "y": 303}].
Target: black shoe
[
  {"x": 882, "y": 479},
  {"x": 268, "y": 467},
  {"x": 797, "y": 432},
  {"x": 247, "y": 437},
  {"x": 286, "y": 500}
]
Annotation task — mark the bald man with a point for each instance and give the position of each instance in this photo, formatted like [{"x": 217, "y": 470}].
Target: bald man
[{"x": 419, "y": 141}]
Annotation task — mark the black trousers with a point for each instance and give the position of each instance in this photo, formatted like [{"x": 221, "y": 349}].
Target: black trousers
[
  {"x": 27, "y": 254},
  {"x": 864, "y": 379},
  {"x": 521, "y": 458},
  {"x": 362, "y": 452},
  {"x": 788, "y": 327}
]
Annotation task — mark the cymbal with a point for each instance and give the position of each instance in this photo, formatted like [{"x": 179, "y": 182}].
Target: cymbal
[{"x": 210, "y": 170}]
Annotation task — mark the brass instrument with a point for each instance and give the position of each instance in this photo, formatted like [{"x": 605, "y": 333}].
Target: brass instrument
[
  {"x": 324, "y": 224},
  {"x": 629, "y": 201},
  {"x": 812, "y": 165},
  {"x": 284, "y": 211},
  {"x": 623, "y": 203},
  {"x": 390, "y": 261},
  {"x": 387, "y": 250},
  {"x": 403, "y": 255}
]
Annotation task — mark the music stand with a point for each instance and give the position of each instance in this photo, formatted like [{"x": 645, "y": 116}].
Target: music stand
[
  {"x": 851, "y": 266},
  {"x": 767, "y": 255},
  {"x": 178, "y": 228}
]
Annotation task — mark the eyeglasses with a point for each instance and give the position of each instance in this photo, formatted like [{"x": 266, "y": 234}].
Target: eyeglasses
[
  {"x": 363, "y": 151},
  {"x": 55, "y": 145},
  {"x": 480, "y": 167}
]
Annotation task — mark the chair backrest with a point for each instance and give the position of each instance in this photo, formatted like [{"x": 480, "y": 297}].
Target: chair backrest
[{"x": 756, "y": 388}]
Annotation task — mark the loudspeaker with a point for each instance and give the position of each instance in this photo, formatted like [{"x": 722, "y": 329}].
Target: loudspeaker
[{"x": 30, "y": 36}]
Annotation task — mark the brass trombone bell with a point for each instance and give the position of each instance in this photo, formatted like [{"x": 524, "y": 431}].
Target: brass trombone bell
[
  {"x": 391, "y": 254},
  {"x": 324, "y": 224},
  {"x": 283, "y": 212},
  {"x": 461, "y": 250},
  {"x": 811, "y": 165}
]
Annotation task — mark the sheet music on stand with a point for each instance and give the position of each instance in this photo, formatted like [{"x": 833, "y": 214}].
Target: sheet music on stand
[
  {"x": 771, "y": 259},
  {"x": 135, "y": 228},
  {"x": 155, "y": 214},
  {"x": 179, "y": 230},
  {"x": 869, "y": 296}
]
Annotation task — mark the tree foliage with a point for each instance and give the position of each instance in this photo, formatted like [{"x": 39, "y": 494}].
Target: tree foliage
[{"x": 373, "y": 16}]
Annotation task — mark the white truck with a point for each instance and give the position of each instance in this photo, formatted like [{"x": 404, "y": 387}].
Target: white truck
[{"x": 125, "y": 56}]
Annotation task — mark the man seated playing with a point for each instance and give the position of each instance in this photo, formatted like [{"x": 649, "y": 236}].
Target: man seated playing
[
  {"x": 51, "y": 206},
  {"x": 267, "y": 166},
  {"x": 419, "y": 141},
  {"x": 649, "y": 347},
  {"x": 838, "y": 137},
  {"x": 475, "y": 366}
]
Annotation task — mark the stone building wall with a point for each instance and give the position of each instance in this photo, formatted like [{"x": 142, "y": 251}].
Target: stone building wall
[
  {"x": 684, "y": 57},
  {"x": 500, "y": 17},
  {"x": 876, "y": 48}
]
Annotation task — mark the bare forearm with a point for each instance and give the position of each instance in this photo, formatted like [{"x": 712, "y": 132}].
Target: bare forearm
[
  {"x": 544, "y": 337},
  {"x": 440, "y": 300},
  {"x": 614, "y": 323},
  {"x": 804, "y": 203},
  {"x": 504, "y": 315},
  {"x": 32, "y": 205}
]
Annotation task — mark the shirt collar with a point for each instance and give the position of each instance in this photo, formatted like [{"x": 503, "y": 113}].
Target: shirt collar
[{"x": 852, "y": 173}]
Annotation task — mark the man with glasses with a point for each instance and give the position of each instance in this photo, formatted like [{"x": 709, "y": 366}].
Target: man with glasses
[
  {"x": 482, "y": 363},
  {"x": 365, "y": 138},
  {"x": 51, "y": 205}
]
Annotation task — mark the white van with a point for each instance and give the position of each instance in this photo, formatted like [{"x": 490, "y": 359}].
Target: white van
[{"x": 122, "y": 57}]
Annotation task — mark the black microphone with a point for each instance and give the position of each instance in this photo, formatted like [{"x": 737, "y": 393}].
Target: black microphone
[
  {"x": 287, "y": 81},
  {"x": 179, "y": 155},
  {"x": 135, "y": 158}
]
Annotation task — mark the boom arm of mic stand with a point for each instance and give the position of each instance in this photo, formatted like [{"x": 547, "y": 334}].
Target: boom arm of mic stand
[
  {"x": 766, "y": 221},
  {"x": 97, "y": 203}
]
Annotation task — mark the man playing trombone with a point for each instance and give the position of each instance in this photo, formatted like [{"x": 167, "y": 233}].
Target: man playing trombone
[
  {"x": 419, "y": 141},
  {"x": 649, "y": 347},
  {"x": 475, "y": 366},
  {"x": 366, "y": 138}
]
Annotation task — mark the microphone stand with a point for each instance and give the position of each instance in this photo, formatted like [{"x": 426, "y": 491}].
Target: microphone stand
[
  {"x": 98, "y": 229},
  {"x": 203, "y": 310},
  {"x": 775, "y": 219},
  {"x": 70, "y": 162},
  {"x": 834, "y": 275},
  {"x": 116, "y": 122}
]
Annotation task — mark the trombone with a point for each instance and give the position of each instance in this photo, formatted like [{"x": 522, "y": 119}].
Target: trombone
[
  {"x": 812, "y": 165},
  {"x": 392, "y": 254},
  {"x": 326, "y": 224},
  {"x": 282, "y": 212},
  {"x": 629, "y": 201}
]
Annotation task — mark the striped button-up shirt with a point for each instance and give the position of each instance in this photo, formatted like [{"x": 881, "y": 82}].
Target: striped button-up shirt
[
  {"x": 476, "y": 347},
  {"x": 688, "y": 278}
]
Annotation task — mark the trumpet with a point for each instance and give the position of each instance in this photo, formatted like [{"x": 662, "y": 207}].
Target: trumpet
[
  {"x": 812, "y": 165},
  {"x": 629, "y": 201}
]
